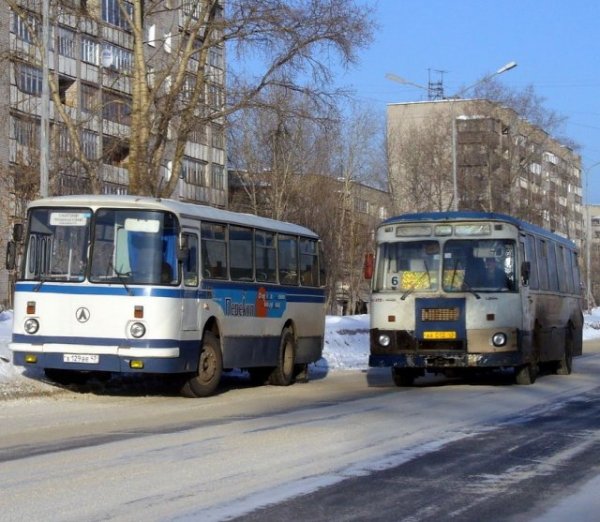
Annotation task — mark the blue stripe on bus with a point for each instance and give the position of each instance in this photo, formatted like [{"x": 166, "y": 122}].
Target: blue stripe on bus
[
  {"x": 292, "y": 294},
  {"x": 102, "y": 341}
]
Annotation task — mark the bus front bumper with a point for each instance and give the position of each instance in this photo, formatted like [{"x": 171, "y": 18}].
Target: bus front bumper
[
  {"x": 445, "y": 360},
  {"x": 106, "y": 359}
]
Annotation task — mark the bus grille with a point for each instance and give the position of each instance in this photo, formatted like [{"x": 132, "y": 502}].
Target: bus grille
[{"x": 440, "y": 314}]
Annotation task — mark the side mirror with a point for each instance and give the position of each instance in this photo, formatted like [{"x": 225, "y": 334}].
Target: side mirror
[
  {"x": 18, "y": 232},
  {"x": 11, "y": 255},
  {"x": 369, "y": 266},
  {"x": 525, "y": 271}
]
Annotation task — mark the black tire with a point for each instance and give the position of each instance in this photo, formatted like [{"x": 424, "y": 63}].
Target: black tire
[
  {"x": 565, "y": 365},
  {"x": 283, "y": 373},
  {"x": 66, "y": 377},
  {"x": 526, "y": 374},
  {"x": 403, "y": 377},
  {"x": 210, "y": 369}
]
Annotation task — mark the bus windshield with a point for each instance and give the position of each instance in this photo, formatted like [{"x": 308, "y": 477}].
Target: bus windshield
[
  {"x": 408, "y": 266},
  {"x": 134, "y": 247},
  {"x": 479, "y": 264},
  {"x": 57, "y": 245},
  {"x": 468, "y": 265}
]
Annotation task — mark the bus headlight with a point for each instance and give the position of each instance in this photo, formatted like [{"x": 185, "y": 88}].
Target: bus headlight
[
  {"x": 31, "y": 326},
  {"x": 137, "y": 330},
  {"x": 384, "y": 340},
  {"x": 499, "y": 339}
]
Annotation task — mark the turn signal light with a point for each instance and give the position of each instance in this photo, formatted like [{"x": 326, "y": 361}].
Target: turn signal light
[
  {"x": 30, "y": 307},
  {"x": 136, "y": 365},
  {"x": 30, "y": 358},
  {"x": 138, "y": 312}
]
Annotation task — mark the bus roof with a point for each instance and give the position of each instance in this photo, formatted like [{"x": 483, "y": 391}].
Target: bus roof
[
  {"x": 465, "y": 215},
  {"x": 177, "y": 207}
]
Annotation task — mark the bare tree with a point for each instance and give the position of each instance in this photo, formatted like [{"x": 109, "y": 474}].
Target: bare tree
[{"x": 174, "y": 87}]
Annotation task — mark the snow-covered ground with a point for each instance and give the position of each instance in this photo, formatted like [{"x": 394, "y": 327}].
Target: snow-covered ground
[{"x": 346, "y": 349}]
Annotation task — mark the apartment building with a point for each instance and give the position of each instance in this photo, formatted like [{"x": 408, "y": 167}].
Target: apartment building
[
  {"x": 502, "y": 164},
  {"x": 90, "y": 53}
]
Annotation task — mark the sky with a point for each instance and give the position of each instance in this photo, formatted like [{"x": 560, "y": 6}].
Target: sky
[{"x": 554, "y": 42}]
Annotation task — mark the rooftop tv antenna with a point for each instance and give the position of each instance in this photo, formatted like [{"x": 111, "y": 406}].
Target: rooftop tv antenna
[{"x": 435, "y": 89}]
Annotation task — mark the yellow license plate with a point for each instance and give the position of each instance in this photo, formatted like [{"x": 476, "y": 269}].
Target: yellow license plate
[{"x": 439, "y": 335}]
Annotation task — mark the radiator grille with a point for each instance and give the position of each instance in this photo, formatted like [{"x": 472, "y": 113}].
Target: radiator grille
[{"x": 440, "y": 314}]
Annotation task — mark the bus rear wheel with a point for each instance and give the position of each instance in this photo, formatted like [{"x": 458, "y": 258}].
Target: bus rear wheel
[
  {"x": 565, "y": 365},
  {"x": 283, "y": 373},
  {"x": 210, "y": 368},
  {"x": 525, "y": 374}
]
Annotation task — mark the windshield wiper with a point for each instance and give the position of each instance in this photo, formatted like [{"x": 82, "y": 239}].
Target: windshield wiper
[
  {"x": 43, "y": 279},
  {"x": 120, "y": 276},
  {"x": 465, "y": 285}
]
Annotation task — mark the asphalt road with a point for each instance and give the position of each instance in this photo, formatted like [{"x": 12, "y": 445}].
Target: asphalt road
[
  {"x": 513, "y": 473},
  {"x": 347, "y": 446}
]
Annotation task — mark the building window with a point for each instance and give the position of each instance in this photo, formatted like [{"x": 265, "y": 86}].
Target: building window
[
  {"x": 89, "y": 98},
  {"x": 22, "y": 27},
  {"x": 26, "y": 131},
  {"x": 116, "y": 108},
  {"x": 218, "y": 137},
  {"x": 29, "y": 79},
  {"x": 89, "y": 144},
  {"x": 152, "y": 35},
  {"x": 193, "y": 171},
  {"x": 215, "y": 57},
  {"x": 112, "y": 14},
  {"x": 89, "y": 50},
  {"x": 218, "y": 177},
  {"x": 66, "y": 42},
  {"x": 198, "y": 135},
  {"x": 121, "y": 59}
]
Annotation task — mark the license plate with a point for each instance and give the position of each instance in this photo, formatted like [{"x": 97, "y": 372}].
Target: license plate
[
  {"x": 81, "y": 358},
  {"x": 439, "y": 335}
]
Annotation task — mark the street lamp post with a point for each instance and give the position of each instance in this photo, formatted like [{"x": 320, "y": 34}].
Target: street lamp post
[
  {"x": 588, "y": 239},
  {"x": 503, "y": 69}
]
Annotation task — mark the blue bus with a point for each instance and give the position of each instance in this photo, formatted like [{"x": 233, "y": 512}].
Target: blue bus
[
  {"x": 460, "y": 292},
  {"x": 129, "y": 284}
]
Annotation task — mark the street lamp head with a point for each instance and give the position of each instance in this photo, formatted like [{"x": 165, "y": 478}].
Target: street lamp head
[{"x": 507, "y": 67}]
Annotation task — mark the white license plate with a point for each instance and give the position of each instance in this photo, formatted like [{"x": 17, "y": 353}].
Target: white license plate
[{"x": 81, "y": 358}]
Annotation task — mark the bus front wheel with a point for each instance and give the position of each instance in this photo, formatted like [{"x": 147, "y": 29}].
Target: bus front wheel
[
  {"x": 210, "y": 368},
  {"x": 283, "y": 373},
  {"x": 525, "y": 374},
  {"x": 402, "y": 377}
]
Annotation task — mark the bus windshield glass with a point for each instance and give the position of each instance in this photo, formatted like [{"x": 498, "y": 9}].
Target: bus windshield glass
[
  {"x": 57, "y": 246},
  {"x": 134, "y": 247},
  {"x": 408, "y": 266},
  {"x": 479, "y": 264}
]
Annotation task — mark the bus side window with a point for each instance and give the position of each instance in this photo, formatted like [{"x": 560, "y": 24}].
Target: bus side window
[
  {"x": 309, "y": 268},
  {"x": 241, "y": 240},
  {"x": 265, "y": 256},
  {"x": 190, "y": 264},
  {"x": 541, "y": 250},
  {"x": 214, "y": 250},
  {"x": 287, "y": 248}
]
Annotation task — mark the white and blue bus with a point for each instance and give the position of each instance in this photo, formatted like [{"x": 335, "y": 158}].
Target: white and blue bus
[
  {"x": 129, "y": 284},
  {"x": 461, "y": 292}
]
